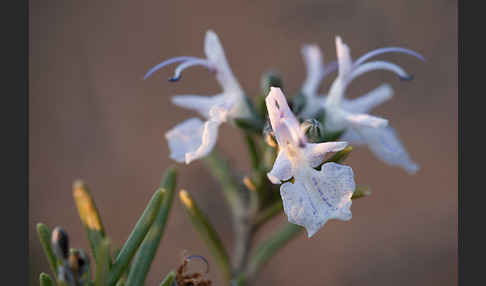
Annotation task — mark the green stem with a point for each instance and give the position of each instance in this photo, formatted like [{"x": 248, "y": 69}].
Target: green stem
[
  {"x": 268, "y": 213},
  {"x": 269, "y": 248},
  {"x": 221, "y": 171}
]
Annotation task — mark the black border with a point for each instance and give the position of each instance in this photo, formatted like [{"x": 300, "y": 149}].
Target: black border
[
  {"x": 14, "y": 203},
  {"x": 471, "y": 209},
  {"x": 15, "y": 140}
]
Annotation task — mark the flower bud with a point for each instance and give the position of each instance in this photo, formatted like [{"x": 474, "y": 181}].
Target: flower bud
[
  {"x": 60, "y": 243},
  {"x": 269, "y": 79},
  {"x": 313, "y": 129},
  {"x": 78, "y": 261}
]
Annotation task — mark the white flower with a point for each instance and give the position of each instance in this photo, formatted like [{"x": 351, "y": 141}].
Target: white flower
[
  {"x": 315, "y": 196},
  {"x": 352, "y": 115},
  {"x": 193, "y": 138}
]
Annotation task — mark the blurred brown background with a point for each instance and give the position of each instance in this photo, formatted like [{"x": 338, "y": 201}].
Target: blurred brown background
[{"x": 92, "y": 116}]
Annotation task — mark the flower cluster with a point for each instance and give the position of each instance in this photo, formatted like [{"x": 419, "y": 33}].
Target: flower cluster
[
  {"x": 193, "y": 138},
  {"x": 312, "y": 190}
]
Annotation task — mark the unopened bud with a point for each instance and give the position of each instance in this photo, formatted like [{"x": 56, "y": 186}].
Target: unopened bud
[
  {"x": 60, "y": 243},
  {"x": 78, "y": 261},
  {"x": 313, "y": 129},
  {"x": 270, "y": 79}
]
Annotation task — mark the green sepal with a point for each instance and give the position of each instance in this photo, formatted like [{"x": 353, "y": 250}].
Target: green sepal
[{"x": 45, "y": 280}]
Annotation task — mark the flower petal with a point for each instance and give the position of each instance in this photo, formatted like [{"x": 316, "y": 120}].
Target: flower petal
[
  {"x": 282, "y": 169},
  {"x": 370, "y": 100},
  {"x": 326, "y": 194},
  {"x": 338, "y": 86},
  {"x": 208, "y": 140},
  {"x": 185, "y": 138},
  {"x": 365, "y": 120},
  {"x": 386, "y": 145},
  {"x": 344, "y": 57},
  {"x": 315, "y": 153},
  {"x": 353, "y": 137},
  {"x": 217, "y": 115},
  {"x": 215, "y": 54},
  {"x": 202, "y": 104},
  {"x": 285, "y": 125},
  {"x": 314, "y": 66}
]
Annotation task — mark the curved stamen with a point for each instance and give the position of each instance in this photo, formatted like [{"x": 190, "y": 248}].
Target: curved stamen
[
  {"x": 188, "y": 258},
  {"x": 187, "y": 64},
  {"x": 329, "y": 68},
  {"x": 376, "y": 52},
  {"x": 167, "y": 62},
  {"x": 364, "y": 68}
]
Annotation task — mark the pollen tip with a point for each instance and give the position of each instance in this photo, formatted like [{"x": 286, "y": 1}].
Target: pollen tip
[
  {"x": 406, "y": 78},
  {"x": 173, "y": 79}
]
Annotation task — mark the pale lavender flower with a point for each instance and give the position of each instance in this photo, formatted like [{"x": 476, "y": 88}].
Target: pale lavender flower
[
  {"x": 314, "y": 196},
  {"x": 194, "y": 138},
  {"x": 352, "y": 115}
]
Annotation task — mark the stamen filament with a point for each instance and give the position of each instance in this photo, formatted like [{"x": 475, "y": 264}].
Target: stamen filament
[
  {"x": 376, "y": 52},
  {"x": 364, "y": 68},
  {"x": 187, "y": 64},
  {"x": 166, "y": 63}
]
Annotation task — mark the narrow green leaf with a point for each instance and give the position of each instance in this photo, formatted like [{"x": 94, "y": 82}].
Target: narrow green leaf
[
  {"x": 221, "y": 171},
  {"x": 45, "y": 238},
  {"x": 45, "y": 280},
  {"x": 254, "y": 125},
  {"x": 340, "y": 156},
  {"x": 269, "y": 247},
  {"x": 146, "y": 253},
  {"x": 120, "y": 283},
  {"x": 207, "y": 232},
  {"x": 252, "y": 151},
  {"x": 89, "y": 214},
  {"x": 169, "y": 279},
  {"x": 135, "y": 238},
  {"x": 361, "y": 191},
  {"x": 102, "y": 262}
]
